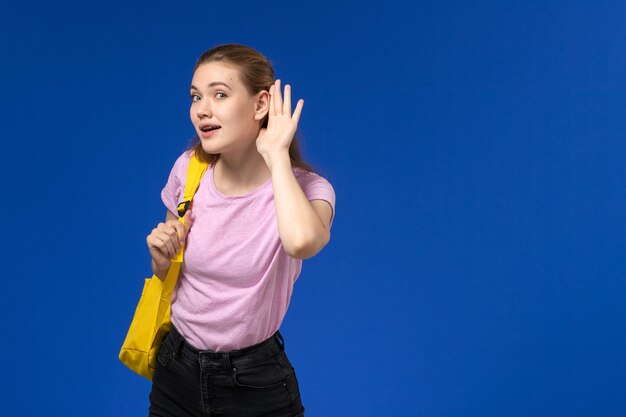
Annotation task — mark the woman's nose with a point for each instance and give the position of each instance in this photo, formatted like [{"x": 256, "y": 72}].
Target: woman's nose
[{"x": 204, "y": 109}]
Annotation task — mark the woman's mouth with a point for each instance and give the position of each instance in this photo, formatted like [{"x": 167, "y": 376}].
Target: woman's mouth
[{"x": 209, "y": 131}]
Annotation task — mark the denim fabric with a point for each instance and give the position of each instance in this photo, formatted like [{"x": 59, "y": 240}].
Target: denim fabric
[{"x": 256, "y": 381}]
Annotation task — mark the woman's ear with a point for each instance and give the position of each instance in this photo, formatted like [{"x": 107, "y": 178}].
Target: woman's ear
[{"x": 262, "y": 105}]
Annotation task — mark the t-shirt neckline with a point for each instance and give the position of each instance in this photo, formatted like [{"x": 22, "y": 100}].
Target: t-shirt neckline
[{"x": 248, "y": 195}]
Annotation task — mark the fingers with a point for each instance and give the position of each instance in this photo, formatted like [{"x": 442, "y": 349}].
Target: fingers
[
  {"x": 278, "y": 98},
  {"x": 180, "y": 231},
  {"x": 187, "y": 225},
  {"x": 167, "y": 238},
  {"x": 287, "y": 105},
  {"x": 278, "y": 107},
  {"x": 272, "y": 108},
  {"x": 168, "y": 235},
  {"x": 160, "y": 244},
  {"x": 298, "y": 110}
]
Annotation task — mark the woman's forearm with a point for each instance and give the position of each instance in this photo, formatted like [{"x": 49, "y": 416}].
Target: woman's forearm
[{"x": 299, "y": 225}]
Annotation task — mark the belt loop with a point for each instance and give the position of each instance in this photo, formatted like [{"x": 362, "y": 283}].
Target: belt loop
[
  {"x": 280, "y": 340},
  {"x": 226, "y": 360}
]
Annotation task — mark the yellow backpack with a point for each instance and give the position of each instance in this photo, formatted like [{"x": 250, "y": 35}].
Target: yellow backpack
[{"x": 151, "y": 321}]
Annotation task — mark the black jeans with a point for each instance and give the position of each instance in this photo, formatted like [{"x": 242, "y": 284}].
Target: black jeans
[{"x": 255, "y": 381}]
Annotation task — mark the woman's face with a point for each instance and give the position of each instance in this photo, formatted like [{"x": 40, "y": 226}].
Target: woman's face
[{"x": 219, "y": 99}]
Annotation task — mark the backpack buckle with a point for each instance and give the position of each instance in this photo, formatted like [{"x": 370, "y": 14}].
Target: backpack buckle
[{"x": 182, "y": 208}]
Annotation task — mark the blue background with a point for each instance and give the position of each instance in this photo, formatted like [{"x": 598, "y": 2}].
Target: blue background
[{"x": 477, "y": 150}]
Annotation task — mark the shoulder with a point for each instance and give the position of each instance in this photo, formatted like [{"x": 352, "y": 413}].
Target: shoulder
[
  {"x": 182, "y": 162},
  {"x": 305, "y": 176},
  {"x": 311, "y": 179},
  {"x": 178, "y": 173},
  {"x": 315, "y": 186},
  {"x": 179, "y": 169},
  {"x": 175, "y": 185}
]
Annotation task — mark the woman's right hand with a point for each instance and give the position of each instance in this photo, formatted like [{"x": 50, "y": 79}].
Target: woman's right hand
[{"x": 165, "y": 240}]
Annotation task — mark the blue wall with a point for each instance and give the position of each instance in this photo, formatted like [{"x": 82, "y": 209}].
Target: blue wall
[{"x": 477, "y": 150}]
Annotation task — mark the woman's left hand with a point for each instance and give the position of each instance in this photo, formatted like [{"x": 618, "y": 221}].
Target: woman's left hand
[{"x": 281, "y": 126}]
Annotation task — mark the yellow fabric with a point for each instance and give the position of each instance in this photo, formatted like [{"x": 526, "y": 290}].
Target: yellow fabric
[{"x": 151, "y": 321}]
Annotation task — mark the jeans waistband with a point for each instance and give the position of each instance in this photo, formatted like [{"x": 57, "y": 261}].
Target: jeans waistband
[{"x": 179, "y": 347}]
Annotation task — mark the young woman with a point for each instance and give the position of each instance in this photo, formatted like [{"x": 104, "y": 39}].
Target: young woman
[{"x": 258, "y": 212}]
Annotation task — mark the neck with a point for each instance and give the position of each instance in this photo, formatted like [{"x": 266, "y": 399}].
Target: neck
[{"x": 237, "y": 173}]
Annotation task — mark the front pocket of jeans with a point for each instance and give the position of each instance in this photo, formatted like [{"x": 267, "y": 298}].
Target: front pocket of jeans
[
  {"x": 263, "y": 375},
  {"x": 164, "y": 355}
]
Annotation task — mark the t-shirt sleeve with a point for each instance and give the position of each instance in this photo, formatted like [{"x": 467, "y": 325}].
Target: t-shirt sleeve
[
  {"x": 174, "y": 189},
  {"x": 316, "y": 187}
]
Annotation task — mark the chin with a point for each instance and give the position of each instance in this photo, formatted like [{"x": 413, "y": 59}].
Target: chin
[{"x": 207, "y": 148}]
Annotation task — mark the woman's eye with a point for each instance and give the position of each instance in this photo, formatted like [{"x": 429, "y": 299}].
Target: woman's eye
[{"x": 219, "y": 96}]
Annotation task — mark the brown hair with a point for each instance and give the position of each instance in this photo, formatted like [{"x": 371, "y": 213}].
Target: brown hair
[{"x": 257, "y": 74}]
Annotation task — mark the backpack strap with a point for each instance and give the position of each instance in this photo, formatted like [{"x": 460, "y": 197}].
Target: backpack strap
[{"x": 195, "y": 171}]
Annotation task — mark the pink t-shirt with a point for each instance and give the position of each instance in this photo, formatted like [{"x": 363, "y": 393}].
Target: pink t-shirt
[{"x": 236, "y": 280}]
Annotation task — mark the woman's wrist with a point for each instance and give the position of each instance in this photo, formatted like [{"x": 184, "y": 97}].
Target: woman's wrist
[
  {"x": 160, "y": 270},
  {"x": 277, "y": 159}
]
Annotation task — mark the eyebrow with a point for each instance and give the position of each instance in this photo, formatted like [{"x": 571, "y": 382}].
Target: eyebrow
[{"x": 213, "y": 84}]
